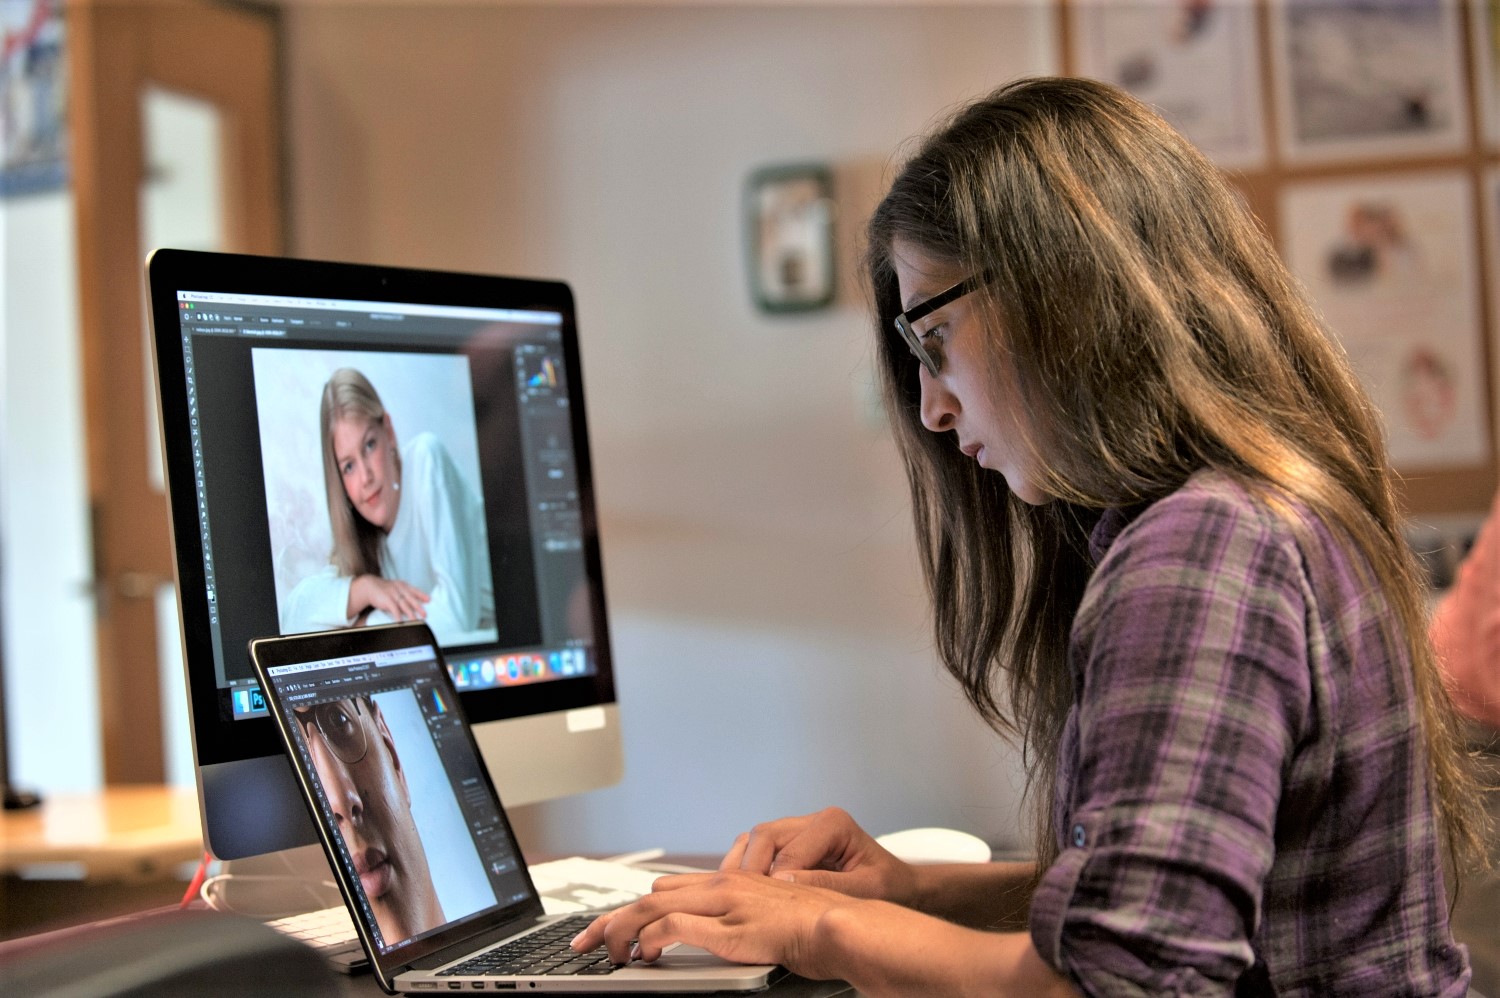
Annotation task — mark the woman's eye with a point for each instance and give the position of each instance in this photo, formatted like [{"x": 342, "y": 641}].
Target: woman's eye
[{"x": 937, "y": 331}]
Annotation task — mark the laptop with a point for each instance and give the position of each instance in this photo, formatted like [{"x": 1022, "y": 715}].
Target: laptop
[{"x": 416, "y": 835}]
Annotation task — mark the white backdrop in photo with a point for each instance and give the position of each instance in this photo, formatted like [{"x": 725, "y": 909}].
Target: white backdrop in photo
[{"x": 457, "y": 871}]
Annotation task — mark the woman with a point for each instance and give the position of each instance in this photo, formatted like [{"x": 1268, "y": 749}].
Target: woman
[
  {"x": 408, "y": 531},
  {"x": 1160, "y": 539},
  {"x": 1465, "y": 632}
]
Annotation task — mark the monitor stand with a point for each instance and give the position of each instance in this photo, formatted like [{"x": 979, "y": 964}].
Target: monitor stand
[{"x": 277, "y": 884}]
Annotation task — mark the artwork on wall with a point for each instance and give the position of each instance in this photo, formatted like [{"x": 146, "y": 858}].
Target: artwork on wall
[
  {"x": 789, "y": 224},
  {"x": 1197, "y": 62},
  {"x": 1360, "y": 79},
  {"x": 33, "y": 89},
  {"x": 1485, "y": 22},
  {"x": 1490, "y": 198},
  {"x": 1390, "y": 259}
]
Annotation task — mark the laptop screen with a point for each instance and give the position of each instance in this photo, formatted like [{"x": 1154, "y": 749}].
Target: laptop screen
[{"x": 383, "y": 748}]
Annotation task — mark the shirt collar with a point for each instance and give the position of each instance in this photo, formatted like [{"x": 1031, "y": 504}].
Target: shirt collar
[{"x": 1110, "y": 525}]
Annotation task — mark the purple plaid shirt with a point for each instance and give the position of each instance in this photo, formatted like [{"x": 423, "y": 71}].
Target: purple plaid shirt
[{"x": 1241, "y": 781}]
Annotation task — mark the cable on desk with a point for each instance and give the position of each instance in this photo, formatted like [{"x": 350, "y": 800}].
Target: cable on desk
[
  {"x": 197, "y": 882},
  {"x": 306, "y": 894},
  {"x": 212, "y": 893}
]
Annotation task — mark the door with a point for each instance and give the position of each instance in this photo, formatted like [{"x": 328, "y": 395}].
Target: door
[{"x": 215, "y": 66}]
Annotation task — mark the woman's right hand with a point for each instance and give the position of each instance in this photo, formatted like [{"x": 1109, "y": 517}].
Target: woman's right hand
[
  {"x": 400, "y": 600},
  {"x": 827, "y": 849}
]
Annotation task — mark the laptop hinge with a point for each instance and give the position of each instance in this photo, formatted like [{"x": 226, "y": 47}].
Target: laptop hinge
[{"x": 478, "y": 941}]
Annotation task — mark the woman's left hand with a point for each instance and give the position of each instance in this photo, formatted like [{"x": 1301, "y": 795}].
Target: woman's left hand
[{"x": 743, "y": 917}]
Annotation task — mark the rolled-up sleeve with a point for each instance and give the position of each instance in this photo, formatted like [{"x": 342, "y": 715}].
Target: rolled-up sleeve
[{"x": 1191, "y": 663}]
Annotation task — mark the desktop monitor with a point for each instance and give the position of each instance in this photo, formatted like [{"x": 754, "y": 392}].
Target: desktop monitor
[{"x": 343, "y": 443}]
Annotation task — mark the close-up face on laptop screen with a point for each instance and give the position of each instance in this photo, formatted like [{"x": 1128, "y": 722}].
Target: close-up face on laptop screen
[{"x": 394, "y": 773}]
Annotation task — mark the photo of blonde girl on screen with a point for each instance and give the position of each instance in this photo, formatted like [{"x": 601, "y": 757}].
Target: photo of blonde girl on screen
[{"x": 374, "y": 508}]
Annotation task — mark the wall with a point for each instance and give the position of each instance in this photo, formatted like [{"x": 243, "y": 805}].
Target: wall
[{"x": 769, "y": 621}]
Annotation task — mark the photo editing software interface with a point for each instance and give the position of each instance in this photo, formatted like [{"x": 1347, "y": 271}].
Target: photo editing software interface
[
  {"x": 433, "y": 847},
  {"x": 359, "y": 462}
]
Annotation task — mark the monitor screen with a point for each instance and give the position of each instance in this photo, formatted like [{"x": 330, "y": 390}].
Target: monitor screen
[{"x": 349, "y": 445}]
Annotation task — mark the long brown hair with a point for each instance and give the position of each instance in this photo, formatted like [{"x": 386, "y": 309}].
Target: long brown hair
[
  {"x": 1154, "y": 332},
  {"x": 357, "y": 543}
]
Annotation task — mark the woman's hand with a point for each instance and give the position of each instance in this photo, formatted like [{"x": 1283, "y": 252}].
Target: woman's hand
[
  {"x": 821, "y": 934},
  {"x": 827, "y": 849},
  {"x": 738, "y": 916},
  {"x": 401, "y": 600}
]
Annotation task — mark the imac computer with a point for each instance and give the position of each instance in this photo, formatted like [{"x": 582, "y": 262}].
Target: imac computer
[{"x": 348, "y": 445}]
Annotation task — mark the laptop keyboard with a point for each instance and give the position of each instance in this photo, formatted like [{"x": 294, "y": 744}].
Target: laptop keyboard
[{"x": 543, "y": 952}]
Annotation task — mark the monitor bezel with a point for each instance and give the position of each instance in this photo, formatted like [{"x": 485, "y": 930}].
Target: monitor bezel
[{"x": 219, "y": 739}]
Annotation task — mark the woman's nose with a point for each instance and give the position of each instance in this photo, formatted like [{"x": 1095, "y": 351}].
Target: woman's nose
[{"x": 939, "y": 407}]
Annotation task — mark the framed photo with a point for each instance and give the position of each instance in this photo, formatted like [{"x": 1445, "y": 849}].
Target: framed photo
[
  {"x": 34, "y": 141},
  {"x": 1392, "y": 262},
  {"x": 1484, "y": 19},
  {"x": 789, "y": 224},
  {"x": 1356, "y": 79},
  {"x": 1197, "y": 63}
]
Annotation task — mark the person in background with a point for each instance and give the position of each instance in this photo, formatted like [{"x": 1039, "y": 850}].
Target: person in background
[
  {"x": 1466, "y": 627},
  {"x": 1466, "y": 635},
  {"x": 1160, "y": 538}
]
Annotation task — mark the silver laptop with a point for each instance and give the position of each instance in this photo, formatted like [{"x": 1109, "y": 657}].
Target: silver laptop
[{"x": 415, "y": 832}]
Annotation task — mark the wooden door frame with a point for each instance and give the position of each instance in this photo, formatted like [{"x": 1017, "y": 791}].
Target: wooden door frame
[{"x": 115, "y": 47}]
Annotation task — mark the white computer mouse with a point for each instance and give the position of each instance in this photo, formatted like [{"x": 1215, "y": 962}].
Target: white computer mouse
[{"x": 935, "y": 845}]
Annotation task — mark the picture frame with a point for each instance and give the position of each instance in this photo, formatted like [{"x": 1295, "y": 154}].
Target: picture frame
[
  {"x": 1356, "y": 81},
  {"x": 1392, "y": 262},
  {"x": 34, "y": 150},
  {"x": 1198, "y": 64},
  {"x": 789, "y": 214}
]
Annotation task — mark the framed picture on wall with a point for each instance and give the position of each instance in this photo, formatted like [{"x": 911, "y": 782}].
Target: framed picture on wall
[
  {"x": 789, "y": 228},
  {"x": 1391, "y": 260},
  {"x": 1197, "y": 63},
  {"x": 1484, "y": 20},
  {"x": 1357, "y": 79},
  {"x": 34, "y": 139}
]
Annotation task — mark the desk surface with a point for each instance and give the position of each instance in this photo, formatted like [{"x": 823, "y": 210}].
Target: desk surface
[
  {"x": 14, "y": 952},
  {"x": 118, "y": 832},
  {"x": 136, "y": 831}
]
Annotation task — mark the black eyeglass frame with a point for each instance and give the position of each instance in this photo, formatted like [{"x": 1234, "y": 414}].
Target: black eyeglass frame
[{"x": 904, "y": 321}]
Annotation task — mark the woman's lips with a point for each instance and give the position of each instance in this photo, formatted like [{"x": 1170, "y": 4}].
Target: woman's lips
[{"x": 375, "y": 873}]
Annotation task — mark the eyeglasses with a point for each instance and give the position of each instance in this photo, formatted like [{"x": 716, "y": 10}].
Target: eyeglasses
[
  {"x": 338, "y": 723},
  {"x": 904, "y": 322}
]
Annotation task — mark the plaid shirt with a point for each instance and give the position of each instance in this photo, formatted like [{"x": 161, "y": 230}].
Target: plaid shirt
[{"x": 1242, "y": 788}]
